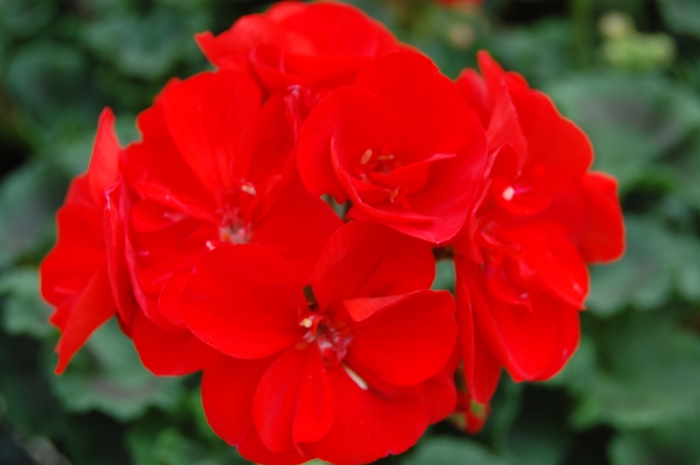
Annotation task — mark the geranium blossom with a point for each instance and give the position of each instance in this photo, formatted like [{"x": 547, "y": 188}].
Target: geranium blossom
[
  {"x": 81, "y": 275},
  {"x": 212, "y": 169},
  {"x": 328, "y": 372},
  {"x": 318, "y": 45},
  {"x": 401, "y": 145},
  {"x": 210, "y": 240},
  {"x": 522, "y": 281}
]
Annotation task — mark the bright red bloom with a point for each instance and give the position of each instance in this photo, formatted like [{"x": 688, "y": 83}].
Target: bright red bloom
[
  {"x": 318, "y": 45},
  {"x": 349, "y": 372},
  {"x": 521, "y": 275},
  {"x": 79, "y": 275},
  {"x": 212, "y": 169},
  {"x": 400, "y": 144}
]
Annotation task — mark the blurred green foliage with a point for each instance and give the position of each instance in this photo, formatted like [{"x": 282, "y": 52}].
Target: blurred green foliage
[{"x": 627, "y": 71}]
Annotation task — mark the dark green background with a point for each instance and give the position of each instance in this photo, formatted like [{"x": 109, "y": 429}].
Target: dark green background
[{"x": 630, "y": 395}]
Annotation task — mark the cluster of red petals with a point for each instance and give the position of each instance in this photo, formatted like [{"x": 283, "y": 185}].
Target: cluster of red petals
[
  {"x": 521, "y": 274},
  {"x": 217, "y": 244}
]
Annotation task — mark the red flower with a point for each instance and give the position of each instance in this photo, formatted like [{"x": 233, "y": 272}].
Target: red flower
[
  {"x": 521, "y": 274},
  {"x": 318, "y": 45},
  {"x": 348, "y": 372},
  {"x": 212, "y": 169},
  {"x": 400, "y": 144},
  {"x": 79, "y": 276}
]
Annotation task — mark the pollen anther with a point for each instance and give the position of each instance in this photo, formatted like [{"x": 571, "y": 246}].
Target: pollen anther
[
  {"x": 366, "y": 157},
  {"x": 508, "y": 193},
  {"x": 249, "y": 189}
]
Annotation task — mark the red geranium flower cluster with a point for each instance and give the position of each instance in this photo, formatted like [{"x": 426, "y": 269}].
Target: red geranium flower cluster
[{"x": 277, "y": 227}]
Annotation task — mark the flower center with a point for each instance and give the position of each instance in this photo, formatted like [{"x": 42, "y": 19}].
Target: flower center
[
  {"x": 333, "y": 337},
  {"x": 235, "y": 230},
  {"x": 384, "y": 162}
]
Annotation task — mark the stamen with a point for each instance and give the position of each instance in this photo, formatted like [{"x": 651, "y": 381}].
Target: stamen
[
  {"x": 249, "y": 189},
  {"x": 508, "y": 193},
  {"x": 386, "y": 157},
  {"x": 356, "y": 378},
  {"x": 393, "y": 194},
  {"x": 366, "y": 157},
  {"x": 306, "y": 323}
]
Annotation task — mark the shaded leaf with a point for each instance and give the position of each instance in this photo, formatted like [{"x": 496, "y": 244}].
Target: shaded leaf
[
  {"x": 631, "y": 119},
  {"x": 451, "y": 451},
  {"x": 108, "y": 376},
  {"x": 167, "y": 446},
  {"x": 648, "y": 376},
  {"x": 28, "y": 199},
  {"x": 681, "y": 16},
  {"x": 444, "y": 276},
  {"x": 24, "y": 311},
  {"x": 655, "y": 263}
]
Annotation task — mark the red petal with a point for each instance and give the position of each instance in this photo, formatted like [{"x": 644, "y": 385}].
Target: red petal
[
  {"x": 244, "y": 300},
  {"x": 556, "y": 146},
  {"x": 255, "y": 451},
  {"x": 473, "y": 89},
  {"x": 294, "y": 402},
  {"x": 230, "y": 49},
  {"x": 504, "y": 127},
  {"x": 433, "y": 119},
  {"x": 78, "y": 254},
  {"x": 408, "y": 341},
  {"x": 169, "y": 354},
  {"x": 440, "y": 391},
  {"x": 550, "y": 262},
  {"x": 482, "y": 369},
  {"x": 211, "y": 118},
  {"x": 170, "y": 296},
  {"x": 362, "y": 308},
  {"x": 358, "y": 119},
  {"x": 533, "y": 340},
  {"x": 294, "y": 223},
  {"x": 104, "y": 164},
  {"x": 228, "y": 387},
  {"x": 156, "y": 169},
  {"x": 93, "y": 308},
  {"x": 370, "y": 424},
  {"x": 367, "y": 260},
  {"x": 604, "y": 239},
  {"x": 114, "y": 214}
]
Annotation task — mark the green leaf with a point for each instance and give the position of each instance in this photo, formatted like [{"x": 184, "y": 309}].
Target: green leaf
[
  {"x": 655, "y": 263},
  {"x": 147, "y": 47},
  {"x": 675, "y": 443},
  {"x": 24, "y": 310},
  {"x": 108, "y": 376},
  {"x": 451, "y": 451},
  {"x": 153, "y": 446},
  {"x": 539, "y": 435},
  {"x": 506, "y": 406},
  {"x": 648, "y": 376},
  {"x": 541, "y": 52},
  {"x": 444, "y": 275},
  {"x": 22, "y": 18},
  {"x": 28, "y": 199},
  {"x": 681, "y": 16},
  {"x": 632, "y": 120},
  {"x": 48, "y": 78}
]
